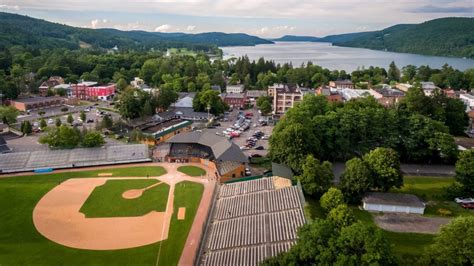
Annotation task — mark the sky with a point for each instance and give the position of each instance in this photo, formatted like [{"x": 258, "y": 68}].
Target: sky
[{"x": 264, "y": 18}]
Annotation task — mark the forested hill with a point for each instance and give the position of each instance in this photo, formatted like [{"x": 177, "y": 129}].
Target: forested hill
[
  {"x": 294, "y": 38},
  {"x": 442, "y": 37},
  {"x": 37, "y": 33}
]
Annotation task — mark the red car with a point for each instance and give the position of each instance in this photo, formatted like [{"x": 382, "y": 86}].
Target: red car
[
  {"x": 467, "y": 205},
  {"x": 249, "y": 114}
]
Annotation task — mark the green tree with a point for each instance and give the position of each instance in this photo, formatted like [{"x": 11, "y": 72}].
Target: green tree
[
  {"x": 464, "y": 170},
  {"x": 453, "y": 245},
  {"x": 70, "y": 119},
  {"x": 130, "y": 105},
  {"x": 331, "y": 199},
  {"x": 355, "y": 180},
  {"x": 266, "y": 108},
  {"x": 316, "y": 177},
  {"x": 92, "y": 139},
  {"x": 83, "y": 116},
  {"x": 341, "y": 216},
  {"x": 384, "y": 165},
  {"x": 26, "y": 127},
  {"x": 121, "y": 84},
  {"x": 393, "y": 73},
  {"x": 43, "y": 125},
  {"x": 62, "y": 137},
  {"x": 8, "y": 114},
  {"x": 166, "y": 97},
  {"x": 58, "y": 122},
  {"x": 107, "y": 122}
]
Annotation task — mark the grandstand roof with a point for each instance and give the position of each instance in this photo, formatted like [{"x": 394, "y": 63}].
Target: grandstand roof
[{"x": 223, "y": 149}]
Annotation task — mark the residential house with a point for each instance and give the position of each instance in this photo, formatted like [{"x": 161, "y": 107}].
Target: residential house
[
  {"x": 50, "y": 84},
  {"x": 428, "y": 87},
  {"x": 234, "y": 88},
  {"x": 389, "y": 96}
]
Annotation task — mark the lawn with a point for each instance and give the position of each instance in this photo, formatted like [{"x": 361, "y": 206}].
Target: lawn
[
  {"x": 107, "y": 200},
  {"x": 21, "y": 244},
  {"x": 192, "y": 170}
]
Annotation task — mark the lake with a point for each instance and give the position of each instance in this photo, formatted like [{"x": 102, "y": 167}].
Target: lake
[{"x": 340, "y": 58}]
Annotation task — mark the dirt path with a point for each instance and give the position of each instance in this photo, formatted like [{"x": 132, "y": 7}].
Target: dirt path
[{"x": 410, "y": 223}]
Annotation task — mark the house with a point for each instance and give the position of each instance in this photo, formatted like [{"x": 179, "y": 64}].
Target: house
[
  {"x": 89, "y": 90},
  {"x": 207, "y": 148},
  {"x": 403, "y": 87},
  {"x": 393, "y": 202},
  {"x": 285, "y": 96},
  {"x": 234, "y": 88},
  {"x": 237, "y": 100},
  {"x": 35, "y": 103},
  {"x": 331, "y": 95},
  {"x": 139, "y": 84},
  {"x": 428, "y": 87},
  {"x": 468, "y": 99},
  {"x": 341, "y": 84},
  {"x": 185, "y": 99},
  {"x": 50, "y": 84},
  {"x": 389, "y": 96}
]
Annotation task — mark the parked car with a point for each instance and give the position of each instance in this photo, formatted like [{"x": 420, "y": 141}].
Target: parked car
[
  {"x": 468, "y": 205},
  {"x": 90, "y": 121},
  {"x": 87, "y": 110},
  {"x": 260, "y": 148},
  {"x": 464, "y": 200},
  {"x": 255, "y": 155},
  {"x": 50, "y": 121}
]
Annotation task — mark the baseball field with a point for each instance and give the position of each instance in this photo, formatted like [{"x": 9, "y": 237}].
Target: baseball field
[{"x": 121, "y": 216}]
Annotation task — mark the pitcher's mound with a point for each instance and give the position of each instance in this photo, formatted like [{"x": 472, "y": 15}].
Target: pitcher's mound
[
  {"x": 181, "y": 213},
  {"x": 132, "y": 193}
]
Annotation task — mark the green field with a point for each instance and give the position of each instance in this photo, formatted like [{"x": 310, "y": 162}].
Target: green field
[
  {"x": 21, "y": 244},
  {"x": 192, "y": 170},
  {"x": 107, "y": 200}
]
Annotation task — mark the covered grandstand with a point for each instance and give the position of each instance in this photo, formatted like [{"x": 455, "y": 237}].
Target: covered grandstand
[
  {"x": 205, "y": 147},
  {"x": 251, "y": 221}
]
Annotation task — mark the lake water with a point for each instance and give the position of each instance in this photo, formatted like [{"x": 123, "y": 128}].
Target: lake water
[{"x": 340, "y": 58}]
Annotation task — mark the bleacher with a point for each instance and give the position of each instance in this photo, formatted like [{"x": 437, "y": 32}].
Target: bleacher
[
  {"x": 186, "y": 150},
  {"x": 252, "y": 220}
]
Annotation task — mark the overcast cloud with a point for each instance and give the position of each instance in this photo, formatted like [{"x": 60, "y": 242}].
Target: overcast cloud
[{"x": 267, "y": 18}]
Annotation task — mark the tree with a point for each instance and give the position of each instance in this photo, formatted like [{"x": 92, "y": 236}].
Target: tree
[
  {"x": 70, "y": 119},
  {"x": 355, "y": 180},
  {"x": 165, "y": 98},
  {"x": 453, "y": 245},
  {"x": 316, "y": 177},
  {"x": 341, "y": 216},
  {"x": 107, "y": 122},
  {"x": 92, "y": 139},
  {"x": 58, "y": 122},
  {"x": 83, "y": 116},
  {"x": 62, "y": 137},
  {"x": 130, "y": 105},
  {"x": 393, "y": 73},
  {"x": 384, "y": 165},
  {"x": 464, "y": 170},
  {"x": 121, "y": 84},
  {"x": 266, "y": 108},
  {"x": 331, "y": 199},
  {"x": 209, "y": 98},
  {"x": 26, "y": 127},
  {"x": 8, "y": 114},
  {"x": 43, "y": 125}
]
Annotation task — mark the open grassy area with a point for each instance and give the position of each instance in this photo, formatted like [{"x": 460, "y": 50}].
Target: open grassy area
[
  {"x": 21, "y": 244},
  {"x": 107, "y": 200},
  {"x": 192, "y": 170},
  {"x": 431, "y": 190}
]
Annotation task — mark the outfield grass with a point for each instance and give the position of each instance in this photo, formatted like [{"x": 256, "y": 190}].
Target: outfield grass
[
  {"x": 107, "y": 200},
  {"x": 21, "y": 244},
  {"x": 192, "y": 170}
]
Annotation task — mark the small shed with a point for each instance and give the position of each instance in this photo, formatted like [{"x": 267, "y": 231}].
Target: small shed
[
  {"x": 393, "y": 202},
  {"x": 281, "y": 170}
]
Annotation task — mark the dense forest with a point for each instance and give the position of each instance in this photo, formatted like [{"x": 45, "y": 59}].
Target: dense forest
[
  {"x": 40, "y": 34},
  {"x": 441, "y": 37}
]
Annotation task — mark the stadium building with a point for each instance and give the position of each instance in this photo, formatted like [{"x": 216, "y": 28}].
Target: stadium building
[{"x": 206, "y": 148}]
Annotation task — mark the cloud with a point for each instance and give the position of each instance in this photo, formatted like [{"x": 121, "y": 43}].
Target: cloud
[
  {"x": 10, "y": 7},
  {"x": 275, "y": 31},
  {"x": 94, "y": 23},
  {"x": 190, "y": 27},
  {"x": 444, "y": 9},
  {"x": 163, "y": 28}
]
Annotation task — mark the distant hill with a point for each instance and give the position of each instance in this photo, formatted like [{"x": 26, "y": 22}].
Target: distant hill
[
  {"x": 40, "y": 34},
  {"x": 441, "y": 37},
  {"x": 294, "y": 38}
]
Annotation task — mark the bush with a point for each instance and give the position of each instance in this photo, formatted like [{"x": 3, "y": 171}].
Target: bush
[
  {"x": 444, "y": 212},
  {"x": 331, "y": 199}
]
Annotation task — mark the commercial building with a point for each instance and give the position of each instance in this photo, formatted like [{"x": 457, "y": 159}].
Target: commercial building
[
  {"x": 88, "y": 90},
  {"x": 389, "y": 96},
  {"x": 161, "y": 131},
  {"x": 50, "y": 84},
  {"x": 393, "y": 202},
  {"x": 253, "y": 95},
  {"x": 35, "y": 103},
  {"x": 285, "y": 96},
  {"x": 330, "y": 94},
  {"x": 237, "y": 100},
  {"x": 341, "y": 84},
  {"x": 215, "y": 151},
  {"x": 234, "y": 88}
]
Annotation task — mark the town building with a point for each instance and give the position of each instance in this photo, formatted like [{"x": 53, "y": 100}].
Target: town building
[
  {"x": 468, "y": 99},
  {"x": 389, "y": 96},
  {"x": 403, "y": 86},
  {"x": 253, "y": 95},
  {"x": 234, "y": 88},
  {"x": 183, "y": 108},
  {"x": 428, "y": 87},
  {"x": 140, "y": 84},
  {"x": 89, "y": 90},
  {"x": 349, "y": 94},
  {"x": 206, "y": 148},
  {"x": 50, "y": 84},
  {"x": 285, "y": 96},
  {"x": 36, "y": 103},
  {"x": 331, "y": 95},
  {"x": 393, "y": 202},
  {"x": 161, "y": 131},
  {"x": 236, "y": 100},
  {"x": 341, "y": 84}
]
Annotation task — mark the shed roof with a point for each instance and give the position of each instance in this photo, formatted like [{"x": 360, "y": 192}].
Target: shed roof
[
  {"x": 282, "y": 170},
  {"x": 399, "y": 199}
]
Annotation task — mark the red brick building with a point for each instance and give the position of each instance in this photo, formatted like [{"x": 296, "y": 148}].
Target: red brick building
[
  {"x": 235, "y": 99},
  {"x": 35, "y": 103},
  {"x": 89, "y": 91}
]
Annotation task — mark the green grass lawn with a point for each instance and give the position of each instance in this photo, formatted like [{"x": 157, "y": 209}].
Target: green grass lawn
[
  {"x": 21, "y": 244},
  {"x": 431, "y": 190},
  {"x": 192, "y": 170},
  {"x": 107, "y": 200}
]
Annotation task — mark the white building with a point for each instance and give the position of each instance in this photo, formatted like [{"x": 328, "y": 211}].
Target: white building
[
  {"x": 468, "y": 99},
  {"x": 393, "y": 202},
  {"x": 234, "y": 88},
  {"x": 428, "y": 87},
  {"x": 349, "y": 94}
]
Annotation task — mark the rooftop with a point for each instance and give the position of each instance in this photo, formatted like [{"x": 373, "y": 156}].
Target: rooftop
[
  {"x": 343, "y": 82},
  {"x": 399, "y": 199},
  {"x": 37, "y": 99},
  {"x": 158, "y": 129},
  {"x": 389, "y": 92},
  {"x": 234, "y": 95},
  {"x": 282, "y": 170}
]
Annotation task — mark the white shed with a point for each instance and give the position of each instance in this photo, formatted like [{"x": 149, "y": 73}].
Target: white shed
[{"x": 393, "y": 202}]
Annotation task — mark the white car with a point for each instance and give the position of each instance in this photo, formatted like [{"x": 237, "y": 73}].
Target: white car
[
  {"x": 50, "y": 121},
  {"x": 464, "y": 200}
]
